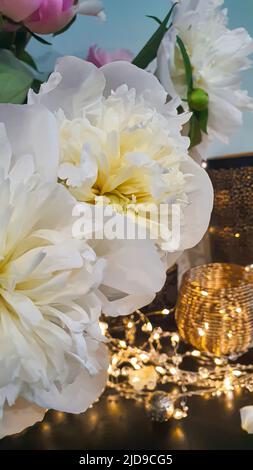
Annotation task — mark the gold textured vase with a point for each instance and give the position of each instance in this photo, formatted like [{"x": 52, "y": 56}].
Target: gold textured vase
[
  {"x": 214, "y": 311},
  {"x": 231, "y": 228}
]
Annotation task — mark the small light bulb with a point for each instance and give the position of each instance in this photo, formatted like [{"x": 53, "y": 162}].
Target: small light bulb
[
  {"x": 165, "y": 311},
  {"x": 237, "y": 373},
  {"x": 204, "y": 293},
  {"x": 178, "y": 414},
  {"x": 144, "y": 357},
  {"x": 195, "y": 353},
  {"x": 218, "y": 361},
  {"x": 175, "y": 338},
  {"x": 147, "y": 327},
  {"x": 156, "y": 336},
  {"x": 45, "y": 427},
  {"x": 201, "y": 332},
  {"x": 227, "y": 384},
  {"x": 161, "y": 370}
]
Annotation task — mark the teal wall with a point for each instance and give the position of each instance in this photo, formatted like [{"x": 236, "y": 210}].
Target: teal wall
[{"x": 127, "y": 27}]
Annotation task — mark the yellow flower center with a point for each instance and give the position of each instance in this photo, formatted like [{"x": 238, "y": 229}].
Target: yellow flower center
[{"x": 116, "y": 179}]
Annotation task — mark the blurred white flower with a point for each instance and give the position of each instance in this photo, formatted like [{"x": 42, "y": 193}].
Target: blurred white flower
[
  {"x": 51, "y": 349},
  {"x": 247, "y": 419},
  {"x": 218, "y": 56},
  {"x": 121, "y": 143}
]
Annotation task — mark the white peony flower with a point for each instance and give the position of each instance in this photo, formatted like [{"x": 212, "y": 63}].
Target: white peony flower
[
  {"x": 51, "y": 349},
  {"x": 218, "y": 55},
  {"x": 121, "y": 143}
]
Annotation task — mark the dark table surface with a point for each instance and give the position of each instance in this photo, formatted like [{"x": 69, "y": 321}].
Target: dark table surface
[{"x": 114, "y": 423}]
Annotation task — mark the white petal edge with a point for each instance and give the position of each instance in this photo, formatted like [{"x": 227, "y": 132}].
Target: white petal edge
[
  {"x": 197, "y": 214},
  {"x": 41, "y": 141},
  {"x": 247, "y": 419},
  {"x": 133, "y": 266},
  {"x": 75, "y": 84},
  {"x": 20, "y": 416},
  {"x": 124, "y": 73},
  {"x": 78, "y": 396}
]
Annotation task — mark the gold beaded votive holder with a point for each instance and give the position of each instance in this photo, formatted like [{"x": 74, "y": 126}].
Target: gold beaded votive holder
[
  {"x": 231, "y": 228},
  {"x": 214, "y": 312}
]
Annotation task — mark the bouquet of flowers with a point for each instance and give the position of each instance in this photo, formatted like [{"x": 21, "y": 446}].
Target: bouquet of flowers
[{"x": 98, "y": 192}]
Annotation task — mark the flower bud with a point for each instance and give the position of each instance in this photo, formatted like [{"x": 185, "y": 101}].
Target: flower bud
[
  {"x": 51, "y": 16},
  {"x": 19, "y": 10},
  {"x": 100, "y": 56},
  {"x": 198, "y": 100}
]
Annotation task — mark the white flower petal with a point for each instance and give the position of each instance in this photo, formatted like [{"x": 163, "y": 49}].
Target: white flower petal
[
  {"x": 90, "y": 7},
  {"x": 32, "y": 130},
  {"x": 23, "y": 306},
  {"x": 163, "y": 54},
  {"x": 5, "y": 149},
  {"x": 126, "y": 305},
  {"x": 20, "y": 416},
  {"x": 22, "y": 171},
  {"x": 79, "y": 395},
  {"x": 119, "y": 73},
  {"x": 124, "y": 274},
  {"x": 247, "y": 419},
  {"x": 197, "y": 214},
  {"x": 79, "y": 85}
]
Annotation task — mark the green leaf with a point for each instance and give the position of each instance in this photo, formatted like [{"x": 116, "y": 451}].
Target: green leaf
[
  {"x": 195, "y": 131},
  {"x": 197, "y": 98},
  {"x": 36, "y": 84},
  {"x": 27, "y": 58},
  {"x": 39, "y": 38},
  {"x": 154, "y": 18},
  {"x": 63, "y": 30},
  {"x": 21, "y": 40},
  {"x": 202, "y": 117},
  {"x": 187, "y": 64},
  {"x": 15, "y": 79},
  {"x": 149, "y": 51},
  {"x": 6, "y": 39}
]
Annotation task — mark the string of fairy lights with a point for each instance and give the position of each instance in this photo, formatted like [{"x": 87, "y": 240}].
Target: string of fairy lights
[
  {"x": 152, "y": 365},
  {"x": 162, "y": 368}
]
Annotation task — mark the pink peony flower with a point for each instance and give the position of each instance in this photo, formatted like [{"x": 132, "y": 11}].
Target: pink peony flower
[
  {"x": 48, "y": 16},
  {"x": 99, "y": 56},
  {"x": 51, "y": 16},
  {"x": 18, "y": 10}
]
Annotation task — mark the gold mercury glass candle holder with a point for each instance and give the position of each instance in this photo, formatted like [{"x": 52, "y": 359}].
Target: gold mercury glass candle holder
[
  {"x": 231, "y": 228},
  {"x": 214, "y": 311}
]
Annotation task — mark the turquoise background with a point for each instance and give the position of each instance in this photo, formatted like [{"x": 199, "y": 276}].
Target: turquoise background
[{"x": 128, "y": 27}]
